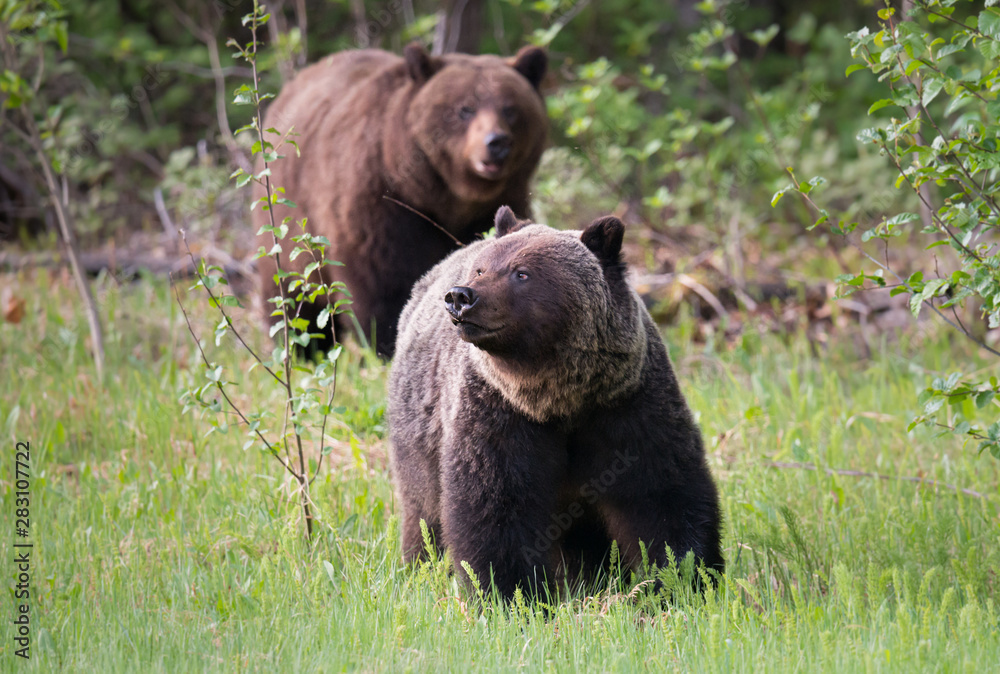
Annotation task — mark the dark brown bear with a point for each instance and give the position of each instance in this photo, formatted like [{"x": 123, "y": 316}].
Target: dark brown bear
[
  {"x": 451, "y": 137},
  {"x": 535, "y": 417}
]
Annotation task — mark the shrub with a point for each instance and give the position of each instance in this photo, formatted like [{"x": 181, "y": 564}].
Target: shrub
[{"x": 941, "y": 70}]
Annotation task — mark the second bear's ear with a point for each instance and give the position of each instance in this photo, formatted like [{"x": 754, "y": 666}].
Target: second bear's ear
[
  {"x": 506, "y": 222},
  {"x": 419, "y": 63},
  {"x": 604, "y": 239},
  {"x": 531, "y": 62}
]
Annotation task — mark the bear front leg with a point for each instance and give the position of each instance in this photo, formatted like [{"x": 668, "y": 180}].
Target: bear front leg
[
  {"x": 684, "y": 517},
  {"x": 500, "y": 477},
  {"x": 647, "y": 475}
]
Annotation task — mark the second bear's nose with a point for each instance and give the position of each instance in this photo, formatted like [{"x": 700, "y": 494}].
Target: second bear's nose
[
  {"x": 498, "y": 145},
  {"x": 459, "y": 300}
]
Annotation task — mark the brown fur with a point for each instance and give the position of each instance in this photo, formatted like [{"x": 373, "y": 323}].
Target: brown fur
[
  {"x": 374, "y": 125},
  {"x": 526, "y": 373}
]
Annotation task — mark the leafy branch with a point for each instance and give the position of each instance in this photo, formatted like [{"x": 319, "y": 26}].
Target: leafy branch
[
  {"x": 965, "y": 165},
  {"x": 306, "y": 410}
]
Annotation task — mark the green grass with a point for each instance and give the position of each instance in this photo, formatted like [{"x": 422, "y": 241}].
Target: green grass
[{"x": 158, "y": 548}]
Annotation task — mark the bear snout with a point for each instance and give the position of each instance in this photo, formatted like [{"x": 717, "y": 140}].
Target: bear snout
[
  {"x": 498, "y": 146},
  {"x": 458, "y": 301}
]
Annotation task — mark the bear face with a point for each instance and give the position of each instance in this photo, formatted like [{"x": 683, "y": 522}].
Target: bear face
[
  {"x": 535, "y": 304},
  {"x": 517, "y": 301},
  {"x": 511, "y": 301},
  {"x": 482, "y": 122}
]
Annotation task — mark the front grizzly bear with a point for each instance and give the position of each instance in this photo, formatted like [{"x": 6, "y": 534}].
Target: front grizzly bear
[
  {"x": 451, "y": 137},
  {"x": 535, "y": 417}
]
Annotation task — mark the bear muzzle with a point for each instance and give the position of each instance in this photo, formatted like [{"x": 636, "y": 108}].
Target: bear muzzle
[
  {"x": 497, "y": 146},
  {"x": 459, "y": 301}
]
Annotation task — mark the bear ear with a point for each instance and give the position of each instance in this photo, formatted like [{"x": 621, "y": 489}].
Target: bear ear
[
  {"x": 604, "y": 239},
  {"x": 419, "y": 63},
  {"x": 506, "y": 222},
  {"x": 531, "y": 62}
]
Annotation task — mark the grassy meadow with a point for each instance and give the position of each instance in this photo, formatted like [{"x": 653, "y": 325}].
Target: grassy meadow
[{"x": 160, "y": 548}]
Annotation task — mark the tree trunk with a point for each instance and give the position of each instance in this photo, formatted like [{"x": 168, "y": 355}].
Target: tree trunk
[{"x": 461, "y": 27}]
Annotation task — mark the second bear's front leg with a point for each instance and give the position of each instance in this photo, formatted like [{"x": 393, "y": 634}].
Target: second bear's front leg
[{"x": 499, "y": 481}]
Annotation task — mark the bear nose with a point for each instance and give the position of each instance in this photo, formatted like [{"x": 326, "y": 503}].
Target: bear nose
[
  {"x": 459, "y": 300},
  {"x": 498, "y": 145}
]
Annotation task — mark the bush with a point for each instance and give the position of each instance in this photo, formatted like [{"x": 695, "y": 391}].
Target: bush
[{"x": 940, "y": 66}]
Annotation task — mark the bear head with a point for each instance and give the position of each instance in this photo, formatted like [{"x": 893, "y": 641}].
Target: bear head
[
  {"x": 479, "y": 119},
  {"x": 550, "y": 317}
]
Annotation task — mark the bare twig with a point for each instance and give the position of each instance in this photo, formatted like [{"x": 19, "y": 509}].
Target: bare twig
[
  {"x": 66, "y": 229},
  {"x": 961, "y": 166},
  {"x": 302, "y": 18},
  {"x": 222, "y": 389},
  {"x": 934, "y": 217},
  {"x": 275, "y": 28},
  {"x": 322, "y": 430},
  {"x": 204, "y": 73},
  {"x": 229, "y": 322},
  {"x": 161, "y": 211},
  {"x": 879, "y": 476},
  {"x": 123, "y": 265},
  {"x": 964, "y": 26},
  {"x": 703, "y": 293},
  {"x": 207, "y": 36},
  {"x": 913, "y": 111},
  {"x": 32, "y": 136},
  {"x": 415, "y": 211}
]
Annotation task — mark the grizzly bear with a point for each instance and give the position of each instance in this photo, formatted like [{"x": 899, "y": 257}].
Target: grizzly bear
[
  {"x": 534, "y": 415},
  {"x": 400, "y": 161}
]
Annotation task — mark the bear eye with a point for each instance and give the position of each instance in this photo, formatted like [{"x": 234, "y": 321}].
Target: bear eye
[
  {"x": 509, "y": 114},
  {"x": 466, "y": 113},
  {"x": 521, "y": 275},
  {"x": 479, "y": 272}
]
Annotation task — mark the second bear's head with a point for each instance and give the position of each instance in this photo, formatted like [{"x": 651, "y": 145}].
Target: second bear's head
[
  {"x": 479, "y": 119},
  {"x": 535, "y": 292}
]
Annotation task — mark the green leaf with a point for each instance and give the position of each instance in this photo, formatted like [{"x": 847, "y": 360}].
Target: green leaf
[
  {"x": 902, "y": 219},
  {"x": 62, "y": 37},
  {"x": 989, "y": 23},
  {"x": 879, "y": 104},
  {"x": 948, "y": 49},
  {"x": 762, "y": 37},
  {"x": 855, "y": 67},
  {"x": 243, "y": 95},
  {"x": 323, "y": 318},
  {"x": 824, "y": 216},
  {"x": 780, "y": 193},
  {"x": 815, "y": 181},
  {"x": 930, "y": 289},
  {"x": 932, "y": 87},
  {"x": 227, "y": 301}
]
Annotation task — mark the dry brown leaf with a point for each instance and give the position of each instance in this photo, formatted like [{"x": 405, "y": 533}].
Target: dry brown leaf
[{"x": 13, "y": 306}]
